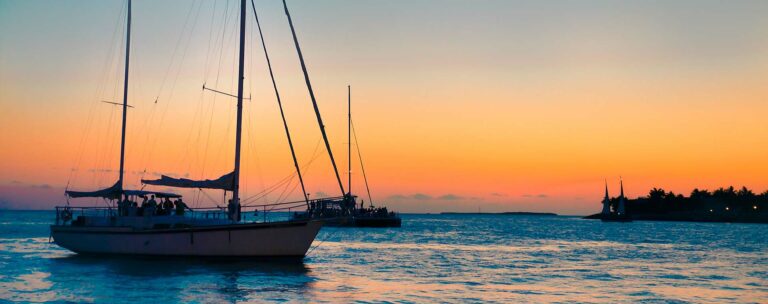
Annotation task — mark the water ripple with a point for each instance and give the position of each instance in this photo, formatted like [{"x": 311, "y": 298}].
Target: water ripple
[{"x": 433, "y": 258}]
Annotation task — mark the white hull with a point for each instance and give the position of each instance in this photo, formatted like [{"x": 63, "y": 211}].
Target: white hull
[{"x": 284, "y": 239}]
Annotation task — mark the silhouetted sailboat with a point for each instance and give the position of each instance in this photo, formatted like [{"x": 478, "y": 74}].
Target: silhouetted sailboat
[
  {"x": 620, "y": 214},
  {"x": 606, "y": 202},
  {"x": 371, "y": 216},
  {"x": 346, "y": 213},
  {"x": 205, "y": 233}
]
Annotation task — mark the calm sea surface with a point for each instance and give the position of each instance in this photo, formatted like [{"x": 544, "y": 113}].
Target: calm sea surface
[{"x": 432, "y": 258}]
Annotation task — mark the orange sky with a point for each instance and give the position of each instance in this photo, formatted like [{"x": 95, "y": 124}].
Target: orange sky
[{"x": 496, "y": 105}]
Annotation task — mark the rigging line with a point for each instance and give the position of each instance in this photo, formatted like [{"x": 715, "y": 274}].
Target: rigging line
[
  {"x": 272, "y": 189},
  {"x": 322, "y": 241},
  {"x": 176, "y": 78},
  {"x": 314, "y": 157},
  {"x": 99, "y": 88},
  {"x": 306, "y": 169},
  {"x": 186, "y": 155},
  {"x": 208, "y": 196},
  {"x": 312, "y": 96},
  {"x": 360, "y": 157},
  {"x": 176, "y": 48},
  {"x": 210, "y": 37},
  {"x": 280, "y": 105},
  {"x": 213, "y": 102},
  {"x": 285, "y": 193},
  {"x": 235, "y": 65},
  {"x": 275, "y": 186},
  {"x": 101, "y": 158},
  {"x": 147, "y": 151},
  {"x": 223, "y": 93},
  {"x": 124, "y": 51},
  {"x": 282, "y": 199}
]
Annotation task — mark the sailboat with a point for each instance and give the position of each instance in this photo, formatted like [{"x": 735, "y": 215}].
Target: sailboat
[
  {"x": 620, "y": 214},
  {"x": 203, "y": 232},
  {"x": 345, "y": 212}
]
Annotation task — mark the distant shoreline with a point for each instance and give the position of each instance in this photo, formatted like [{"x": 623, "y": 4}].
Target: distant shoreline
[
  {"x": 501, "y": 213},
  {"x": 689, "y": 218}
]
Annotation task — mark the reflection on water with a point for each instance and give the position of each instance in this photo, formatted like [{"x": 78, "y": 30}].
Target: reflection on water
[
  {"x": 185, "y": 280},
  {"x": 449, "y": 258},
  {"x": 155, "y": 266}
]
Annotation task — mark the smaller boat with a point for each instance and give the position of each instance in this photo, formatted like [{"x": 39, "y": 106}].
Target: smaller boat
[
  {"x": 620, "y": 213},
  {"x": 344, "y": 211}
]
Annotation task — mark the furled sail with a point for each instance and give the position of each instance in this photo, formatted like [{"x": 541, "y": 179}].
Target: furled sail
[
  {"x": 225, "y": 182},
  {"x": 148, "y": 193},
  {"x": 111, "y": 192}
]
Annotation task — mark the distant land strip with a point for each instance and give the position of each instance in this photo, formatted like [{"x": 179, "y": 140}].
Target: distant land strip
[
  {"x": 721, "y": 205},
  {"x": 501, "y": 213}
]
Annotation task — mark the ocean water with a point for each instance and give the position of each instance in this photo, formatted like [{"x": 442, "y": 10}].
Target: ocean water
[{"x": 432, "y": 258}]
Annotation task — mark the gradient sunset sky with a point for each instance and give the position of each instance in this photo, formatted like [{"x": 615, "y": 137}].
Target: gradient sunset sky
[{"x": 458, "y": 105}]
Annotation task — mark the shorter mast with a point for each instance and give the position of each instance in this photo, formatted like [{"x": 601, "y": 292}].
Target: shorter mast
[
  {"x": 349, "y": 138},
  {"x": 622, "y": 200},
  {"x": 234, "y": 206},
  {"x": 125, "y": 97}
]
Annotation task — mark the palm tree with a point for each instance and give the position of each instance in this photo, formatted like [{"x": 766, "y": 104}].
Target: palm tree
[{"x": 656, "y": 194}]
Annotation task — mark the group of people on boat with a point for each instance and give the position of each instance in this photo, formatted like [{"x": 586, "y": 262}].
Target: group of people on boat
[
  {"x": 150, "y": 206},
  {"x": 331, "y": 207},
  {"x": 373, "y": 211}
]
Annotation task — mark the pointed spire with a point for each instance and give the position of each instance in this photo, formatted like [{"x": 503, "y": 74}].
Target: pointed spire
[
  {"x": 606, "y": 201},
  {"x": 621, "y": 184},
  {"x": 621, "y": 210}
]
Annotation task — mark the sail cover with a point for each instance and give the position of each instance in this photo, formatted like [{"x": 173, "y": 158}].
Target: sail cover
[
  {"x": 111, "y": 192},
  {"x": 225, "y": 182}
]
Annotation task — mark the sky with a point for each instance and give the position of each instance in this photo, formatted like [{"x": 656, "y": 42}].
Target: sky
[{"x": 458, "y": 105}]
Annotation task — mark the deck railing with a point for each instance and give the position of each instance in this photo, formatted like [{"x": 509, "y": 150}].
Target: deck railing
[{"x": 248, "y": 213}]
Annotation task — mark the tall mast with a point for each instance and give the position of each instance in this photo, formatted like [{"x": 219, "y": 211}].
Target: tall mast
[
  {"x": 234, "y": 213},
  {"x": 280, "y": 105},
  {"x": 349, "y": 138},
  {"x": 314, "y": 101},
  {"x": 125, "y": 96}
]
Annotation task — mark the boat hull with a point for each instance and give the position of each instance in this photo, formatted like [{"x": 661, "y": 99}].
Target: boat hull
[
  {"x": 368, "y": 222},
  {"x": 285, "y": 239}
]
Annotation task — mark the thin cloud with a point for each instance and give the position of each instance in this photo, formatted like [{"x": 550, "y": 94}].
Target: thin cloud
[
  {"x": 450, "y": 197},
  {"x": 541, "y": 195},
  {"x": 421, "y": 196},
  {"x": 426, "y": 197}
]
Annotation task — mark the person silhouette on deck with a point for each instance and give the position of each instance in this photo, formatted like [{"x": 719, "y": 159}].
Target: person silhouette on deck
[
  {"x": 180, "y": 206},
  {"x": 167, "y": 206},
  {"x": 151, "y": 206}
]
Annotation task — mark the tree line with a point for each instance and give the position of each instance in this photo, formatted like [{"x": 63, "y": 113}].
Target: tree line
[{"x": 720, "y": 201}]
